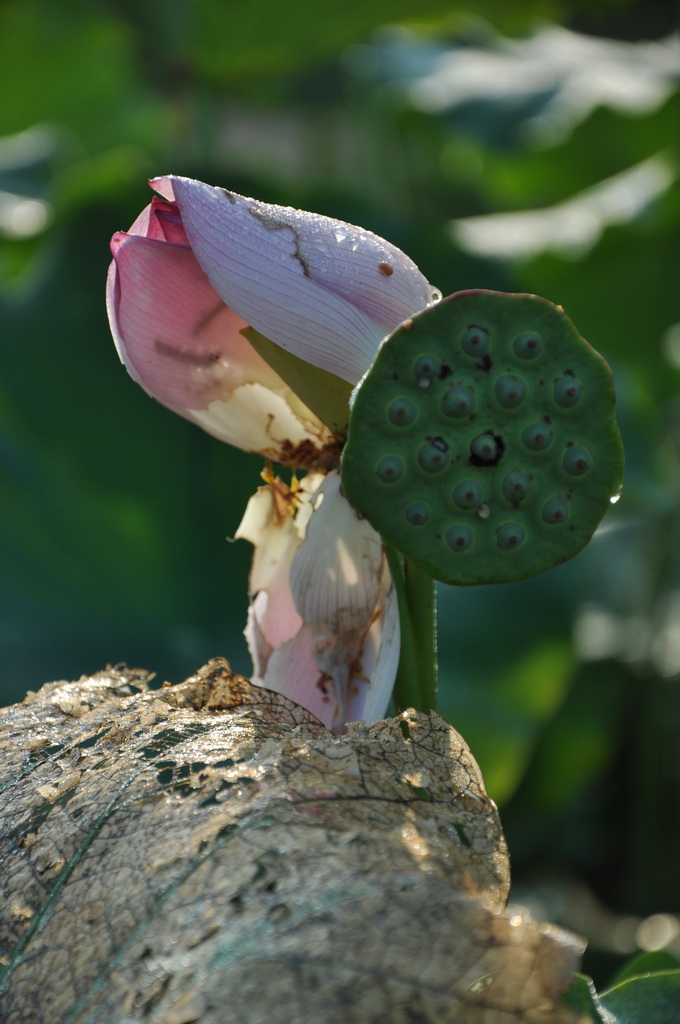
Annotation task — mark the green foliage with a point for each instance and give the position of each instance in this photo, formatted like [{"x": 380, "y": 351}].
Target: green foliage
[
  {"x": 114, "y": 513},
  {"x": 646, "y": 991}
]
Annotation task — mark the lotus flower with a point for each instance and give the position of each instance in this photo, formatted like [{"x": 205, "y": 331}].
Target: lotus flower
[{"x": 198, "y": 268}]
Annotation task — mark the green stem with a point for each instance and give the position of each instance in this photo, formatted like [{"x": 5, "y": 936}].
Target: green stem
[
  {"x": 422, "y": 602},
  {"x": 406, "y": 691},
  {"x": 416, "y": 682}
]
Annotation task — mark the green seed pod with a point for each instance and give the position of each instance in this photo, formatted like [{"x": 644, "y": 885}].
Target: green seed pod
[{"x": 482, "y": 442}]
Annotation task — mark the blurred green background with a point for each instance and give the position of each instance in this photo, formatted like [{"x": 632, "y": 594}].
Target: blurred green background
[{"x": 525, "y": 147}]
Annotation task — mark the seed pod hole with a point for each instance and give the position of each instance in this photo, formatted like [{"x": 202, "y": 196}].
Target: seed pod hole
[
  {"x": 458, "y": 401},
  {"x": 577, "y": 460},
  {"x": 459, "y": 537},
  {"x": 527, "y": 345},
  {"x": 418, "y": 513},
  {"x": 475, "y": 341},
  {"x": 467, "y": 494},
  {"x": 537, "y": 436},
  {"x": 402, "y": 412},
  {"x": 510, "y": 536},
  {"x": 516, "y": 486},
  {"x": 568, "y": 391},
  {"x": 426, "y": 368},
  {"x": 433, "y": 455},
  {"x": 511, "y": 391},
  {"x": 484, "y": 450},
  {"x": 555, "y": 510},
  {"x": 390, "y": 468}
]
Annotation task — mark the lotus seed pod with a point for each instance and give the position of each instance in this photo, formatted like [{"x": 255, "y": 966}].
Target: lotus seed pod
[{"x": 482, "y": 442}]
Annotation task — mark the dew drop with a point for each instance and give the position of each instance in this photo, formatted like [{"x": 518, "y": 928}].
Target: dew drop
[
  {"x": 527, "y": 345},
  {"x": 402, "y": 412},
  {"x": 511, "y": 391},
  {"x": 577, "y": 460},
  {"x": 484, "y": 511},
  {"x": 418, "y": 513},
  {"x": 555, "y": 510},
  {"x": 459, "y": 537},
  {"x": 510, "y": 536},
  {"x": 390, "y": 468},
  {"x": 458, "y": 401},
  {"x": 538, "y": 436},
  {"x": 467, "y": 494},
  {"x": 475, "y": 341}
]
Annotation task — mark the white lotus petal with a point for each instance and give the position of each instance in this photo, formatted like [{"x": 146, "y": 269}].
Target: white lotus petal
[
  {"x": 378, "y": 662},
  {"x": 338, "y": 579},
  {"x": 259, "y": 419}
]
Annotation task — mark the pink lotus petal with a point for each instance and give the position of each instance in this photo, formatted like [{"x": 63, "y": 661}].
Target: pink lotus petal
[
  {"x": 184, "y": 346},
  {"x": 324, "y": 289}
]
